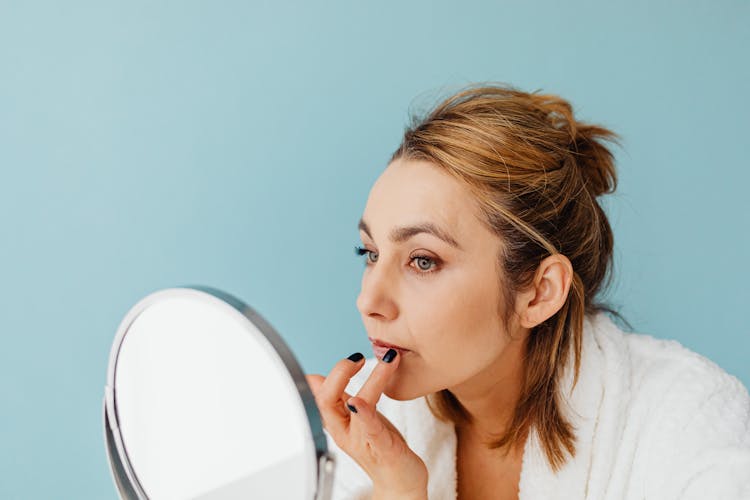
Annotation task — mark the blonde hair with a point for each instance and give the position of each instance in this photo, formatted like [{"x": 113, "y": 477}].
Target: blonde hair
[{"x": 536, "y": 173}]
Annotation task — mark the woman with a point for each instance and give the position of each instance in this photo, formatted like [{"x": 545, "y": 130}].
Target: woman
[{"x": 498, "y": 374}]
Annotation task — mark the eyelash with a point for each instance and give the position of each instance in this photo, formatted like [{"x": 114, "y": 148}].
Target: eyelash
[{"x": 362, "y": 251}]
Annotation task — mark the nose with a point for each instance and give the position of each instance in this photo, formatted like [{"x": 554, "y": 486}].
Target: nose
[{"x": 377, "y": 295}]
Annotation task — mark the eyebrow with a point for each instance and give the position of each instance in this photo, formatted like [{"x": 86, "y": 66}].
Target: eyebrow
[{"x": 401, "y": 234}]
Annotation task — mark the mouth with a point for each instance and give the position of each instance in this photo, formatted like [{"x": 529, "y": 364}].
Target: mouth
[{"x": 380, "y": 348}]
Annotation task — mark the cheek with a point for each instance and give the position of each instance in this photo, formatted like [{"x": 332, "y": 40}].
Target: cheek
[
  {"x": 456, "y": 326},
  {"x": 460, "y": 303}
]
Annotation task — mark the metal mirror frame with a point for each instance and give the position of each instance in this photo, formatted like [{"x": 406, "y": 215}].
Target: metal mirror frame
[{"x": 122, "y": 471}]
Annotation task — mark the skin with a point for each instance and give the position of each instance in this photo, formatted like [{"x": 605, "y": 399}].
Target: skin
[{"x": 445, "y": 307}]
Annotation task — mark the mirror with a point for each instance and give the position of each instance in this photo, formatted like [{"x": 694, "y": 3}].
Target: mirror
[{"x": 204, "y": 400}]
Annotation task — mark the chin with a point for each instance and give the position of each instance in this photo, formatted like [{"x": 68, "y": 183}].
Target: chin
[{"x": 400, "y": 392}]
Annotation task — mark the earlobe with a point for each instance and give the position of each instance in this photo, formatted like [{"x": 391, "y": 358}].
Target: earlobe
[{"x": 548, "y": 291}]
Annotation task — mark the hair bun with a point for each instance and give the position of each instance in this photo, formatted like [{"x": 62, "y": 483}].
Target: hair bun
[
  {"x": 585, "y": 142},
  {"x": 594, "y": 160}
]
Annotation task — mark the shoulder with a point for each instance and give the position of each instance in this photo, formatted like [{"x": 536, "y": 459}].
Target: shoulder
[
  {"x": 695, "y": 419},
  {"x": 665, "y": 369},
  {"x": 689, "y": 392},
  {"x": 684, "y": 378}
]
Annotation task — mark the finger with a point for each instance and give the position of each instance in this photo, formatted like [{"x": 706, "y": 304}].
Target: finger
[
  {"x": 367, "y": 420},
  {"x": 315, "y": 381},
  {"x": 375, "y": 385},
  {"x": 330, "y": 395},
  {"x": 331, "y": 390},
  {"x": 331, "y": 418}
]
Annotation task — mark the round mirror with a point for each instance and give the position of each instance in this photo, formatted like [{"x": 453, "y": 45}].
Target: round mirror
[{"x": 204, "y": 400}]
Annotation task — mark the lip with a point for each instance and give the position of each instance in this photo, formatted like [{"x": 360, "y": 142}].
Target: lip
[
  {"x": 380, "y": 348},
  {"x": 380, "y": 343}
]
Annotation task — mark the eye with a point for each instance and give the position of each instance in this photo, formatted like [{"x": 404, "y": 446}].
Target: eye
[
  {"x": 425, "y": 264},
  {"x": 371, "y": 256}
]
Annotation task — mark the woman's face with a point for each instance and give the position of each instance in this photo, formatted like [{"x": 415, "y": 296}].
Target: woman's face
[{"x": 440, "y": 300}]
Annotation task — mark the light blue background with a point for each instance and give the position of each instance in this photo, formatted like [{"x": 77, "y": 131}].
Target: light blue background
[{"x": 150, "y": 144}]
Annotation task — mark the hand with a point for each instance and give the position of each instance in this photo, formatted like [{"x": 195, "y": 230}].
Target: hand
[{"x": 365, "y": 434}]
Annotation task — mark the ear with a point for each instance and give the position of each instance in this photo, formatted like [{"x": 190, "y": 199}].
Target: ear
[{"x": 547, "y": 293}]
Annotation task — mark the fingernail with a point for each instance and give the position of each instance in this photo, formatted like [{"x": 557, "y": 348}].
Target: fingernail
[
  {"x": 356, "y": 357},
  {"x": 390, "y": 355},
  {"x": 351, "y": 408}
]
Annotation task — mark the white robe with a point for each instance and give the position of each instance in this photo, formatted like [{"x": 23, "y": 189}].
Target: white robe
[{"x": 654, "y": 421}]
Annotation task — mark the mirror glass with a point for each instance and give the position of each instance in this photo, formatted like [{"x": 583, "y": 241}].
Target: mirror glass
[{"x": 204, "y": 400}]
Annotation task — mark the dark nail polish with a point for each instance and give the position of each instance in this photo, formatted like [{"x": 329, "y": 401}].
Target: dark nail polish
[
  {"x": 351, "y": 408},
  {"x": 356, "y": 357},
  {"x": 390, "y": 355}
]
